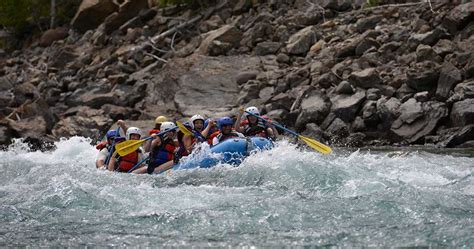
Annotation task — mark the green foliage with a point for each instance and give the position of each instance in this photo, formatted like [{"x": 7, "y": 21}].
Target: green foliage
[{"x": 16, "y": 15}]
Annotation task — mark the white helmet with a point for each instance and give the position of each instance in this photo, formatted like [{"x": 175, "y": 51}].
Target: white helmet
[
  {"x": 133, "y": 130},
  {"x": 194, "y": 118},
  {"x": 253, "y": 110},
  {"x": 167, "y": 126}
]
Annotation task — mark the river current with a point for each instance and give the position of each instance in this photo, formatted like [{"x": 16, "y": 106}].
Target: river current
[{"x": 282, "y": 197}]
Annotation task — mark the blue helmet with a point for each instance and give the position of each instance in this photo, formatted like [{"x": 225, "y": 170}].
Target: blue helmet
[
  {"x": 111, "y": 134},
  {"x": 225, "y": 121}
]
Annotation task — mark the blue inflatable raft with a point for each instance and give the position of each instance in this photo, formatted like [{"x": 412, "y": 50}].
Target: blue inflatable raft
[{"x": 231, "y": 151}]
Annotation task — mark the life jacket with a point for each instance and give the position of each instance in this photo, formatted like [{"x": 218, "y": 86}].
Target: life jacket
[
  {"x": 212, "y": 136},
  {"x": 198, "y": 135},
  {"x": 221, "y": 137},
  {"x": 102, "y": 145},
  {"x": 258, "y": 130},
  {"x": 125, "y": 163},
  {"x": 163, "y": 153},
  {"x": 153, "y": 131}
]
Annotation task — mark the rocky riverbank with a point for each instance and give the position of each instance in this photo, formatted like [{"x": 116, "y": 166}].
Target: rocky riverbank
[{"x": 351, "y": 76}]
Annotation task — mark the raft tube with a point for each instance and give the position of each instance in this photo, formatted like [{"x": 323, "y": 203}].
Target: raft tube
[{"x": 231, "y": 151}]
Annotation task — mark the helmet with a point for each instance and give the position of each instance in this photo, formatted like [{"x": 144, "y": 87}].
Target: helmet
[
  {"x": 133, "y": 130},
  {"x": 194, "y": 118},
  {"x": 253, "y": 110},
  {"x": 111, "y": 134},
  {"x": 160, "y": 119},
  {"x": 225, "y": 121},
  {"x": 167, "y": 126}
]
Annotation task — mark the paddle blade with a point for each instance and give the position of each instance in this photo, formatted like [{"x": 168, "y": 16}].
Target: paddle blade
[
  {"x": 129, "y": 146},
  {"x": 183, "y": 129},
  {"x": 316, "y": 145}
]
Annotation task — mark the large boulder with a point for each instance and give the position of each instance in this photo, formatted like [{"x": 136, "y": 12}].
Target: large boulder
[
  {"x": 457, "y": 136},
  {"x": 127, "y": 10},
  {"x": 346, "y": 107},
  {"x": 202, "y": 78},
  {"x": 465, "y": 90},
  {"x": 459, "y": 17},
  {"x": 219, "y": 41},
  {"x": 92, "y": 13},
  {"x": 51, "y": 35},
  {"x": 418, "y": 120},
  {"x": 82, "y": 121},
  {"x": 388, "y": 109},
  {"x": 301, "y": 42},
  {"x": 449, "y": 77},
  {"x": 423, "y": 76},
  {"x": 315, "y": 106},
  {"x": 367, "y": 78},
  {"x": 462, "y": 113}
]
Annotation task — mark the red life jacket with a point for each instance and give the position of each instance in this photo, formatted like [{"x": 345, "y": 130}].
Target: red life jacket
[
  {"x": 164, "y": 152},
  {"x": 128, "y": 161},
  {"x": 212, "y": 136},
  {"x": 101, "y": 145},
  {"x": 153, "y": 131}
]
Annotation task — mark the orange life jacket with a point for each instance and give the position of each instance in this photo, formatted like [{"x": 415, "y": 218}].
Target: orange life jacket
[
  {"x": 128, "y": 161},
  {"x": 101, "y": 145}
]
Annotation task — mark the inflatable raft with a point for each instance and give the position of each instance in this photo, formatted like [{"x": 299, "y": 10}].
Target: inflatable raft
[{"x": 231, "y": 151}]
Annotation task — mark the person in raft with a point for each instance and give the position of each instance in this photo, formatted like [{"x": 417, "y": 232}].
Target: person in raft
[
  {"x": 104, "y": 149},
  {"x": 125, "y": 163},
  {"x": 253, "y": 126},
  {"x": 156, "y": 129},
  {"x": 162, "y": 148},
  {"x": 199, "y": 127},
  {"x": 225, "y": 131}
]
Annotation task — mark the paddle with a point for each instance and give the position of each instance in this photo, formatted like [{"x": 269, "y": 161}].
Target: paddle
[
  {"x": 318, "y": 146},
  {"x": 117, "y": 134},
  {"x": 138, "y": 164},
  {"x": 187, "y": 132},
  {"x": 129, "y": 146}
]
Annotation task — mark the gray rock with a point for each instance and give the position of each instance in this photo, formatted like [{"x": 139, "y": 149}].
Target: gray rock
[
  {"x": 373, "y": 94},
  {"x": 367, "y": 78},
  {"x": 227, "y": 34},
  {"x": 281, "y": 101},
  {"x": 5, "y": 84},
  {"x": 62, "y": 57},
  {"x": 338, "y": 130},
  {"x": 347, "y": 106},
  {"x": 6, "y": 99},
  {"x": 283, "y": 58},
  {"x": 444, "y": 47},
  {"x": 458, "y": 136},
  {"x": 52, "y": 35},
  {"x": 469, "y": 68},
  {"x": 119, "y": 112},
  {"x": 97, "y": 100},
  {"x": 243, "y": 77},
  {"x": 459, "y": 17},
  {"x": 423, "y": 77},
  {"x": 388, "y": 109},
  {"x": 326, "y": 80},
  {"x": 315, "y": 107},
  {"x": 364, "y": 24},
  {"x": 266, "y": 48},
  {"x": 344, "y": 87},
  {"x": 5, "y": 135},
  {"x": 429, "y": 38},
  {"x": 426, "y": 52},
  {"x": 369, "y": 114},
  {"x": 301, "y": 42},
  {"x": 241, "y": 6},
  {"x": 91, "y": 13},
  {"x": 365, "y": 45},
  {"x": 405, "y": 92},
  {"x": 465, "y": 90},
  {"x": 249, "y": 91},
  {"x": 314, "y": 131},
  {"x": 449, "y": 77},
  {"x": 462, "y": 113},
  {"x": 422, "y": 96},
  {"x": 418, "y": 120}
]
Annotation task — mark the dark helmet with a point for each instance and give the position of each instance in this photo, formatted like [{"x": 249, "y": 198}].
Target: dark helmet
[
  {"x": 111, "y": 134},
  {"x": 225, "y": 121}
]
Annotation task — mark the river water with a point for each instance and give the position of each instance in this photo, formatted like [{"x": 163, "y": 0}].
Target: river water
[{"x": 282, "y": 197}]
